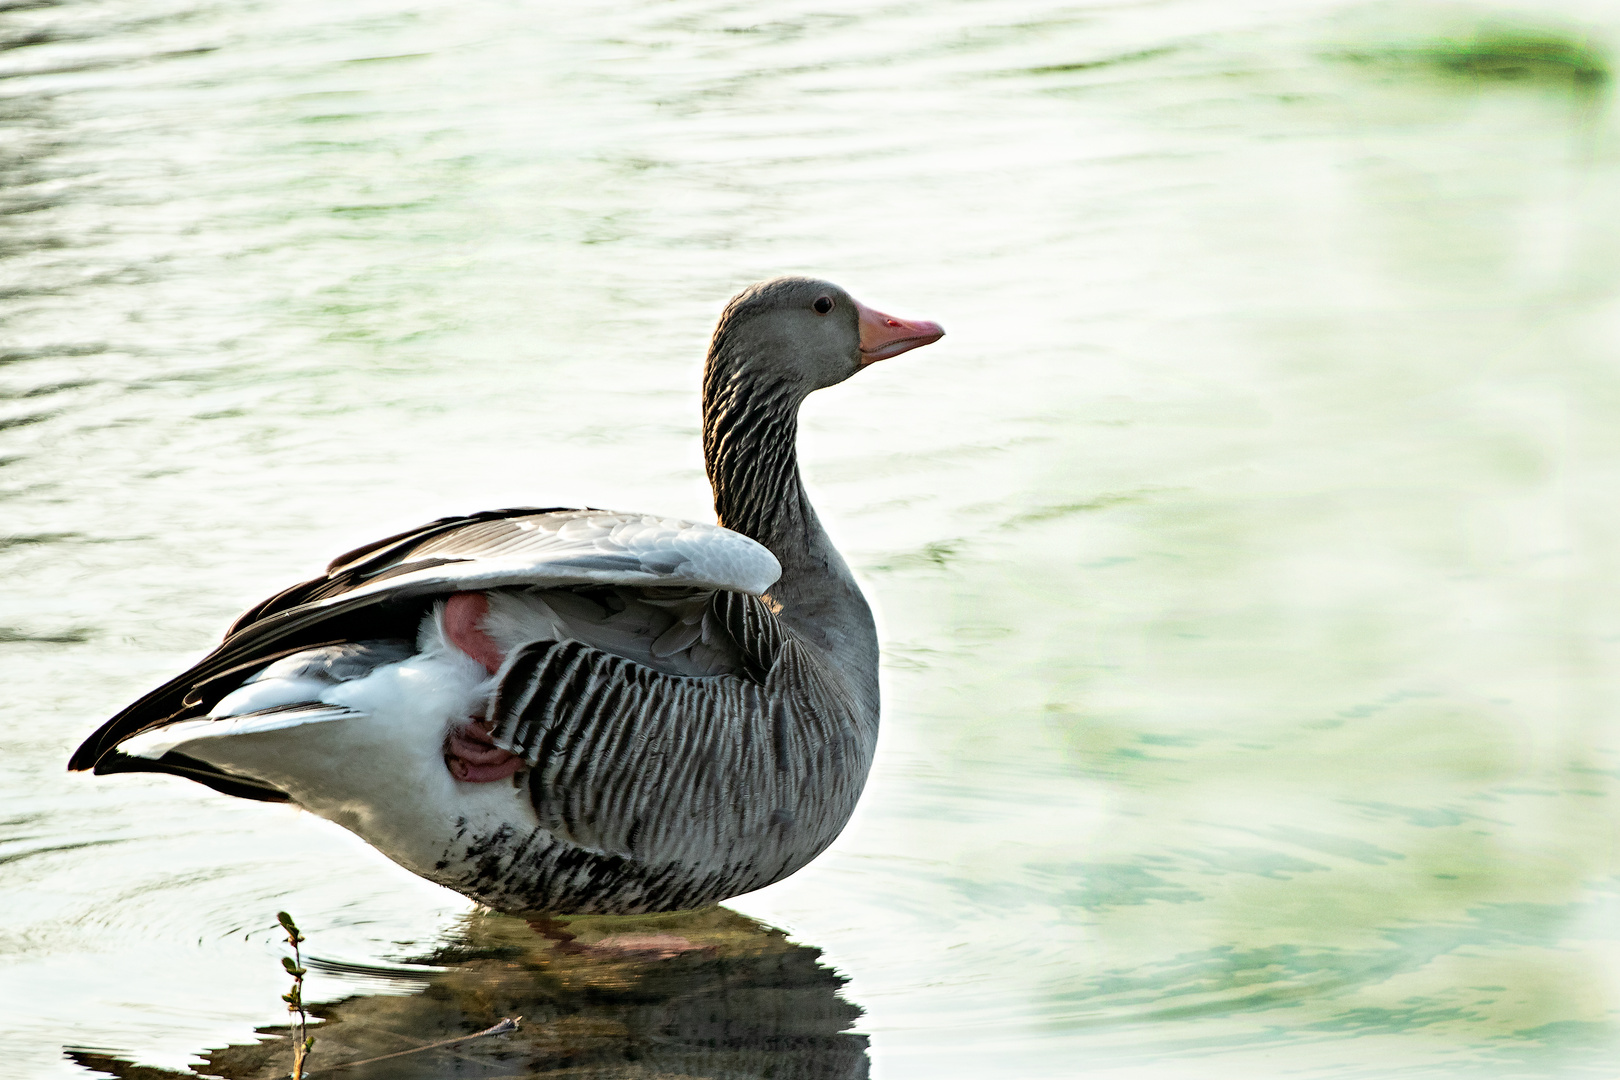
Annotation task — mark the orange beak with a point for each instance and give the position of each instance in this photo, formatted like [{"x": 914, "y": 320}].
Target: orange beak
[{"x": 883, "y": 336}]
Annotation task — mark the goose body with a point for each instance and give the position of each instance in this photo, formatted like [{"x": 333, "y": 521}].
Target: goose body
[{"x": 573, "y": 710}]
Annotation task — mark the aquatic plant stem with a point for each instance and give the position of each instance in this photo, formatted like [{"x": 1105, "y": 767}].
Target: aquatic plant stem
[{"x": 295, "y": 997}]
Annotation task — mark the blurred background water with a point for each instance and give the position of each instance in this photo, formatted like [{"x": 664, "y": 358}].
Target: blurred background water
[{"x": 1247, "y": 558}]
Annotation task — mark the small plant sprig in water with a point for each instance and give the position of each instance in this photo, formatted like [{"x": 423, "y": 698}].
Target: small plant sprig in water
[
  {"x": 295, "y": 1004},
  {"x": 295, "y": 997}
]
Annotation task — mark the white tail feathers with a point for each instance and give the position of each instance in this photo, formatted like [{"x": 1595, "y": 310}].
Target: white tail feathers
[{"x": 159, "y": 741}]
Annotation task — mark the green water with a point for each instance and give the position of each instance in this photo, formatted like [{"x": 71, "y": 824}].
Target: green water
[{"x": 1247, "y": 557}]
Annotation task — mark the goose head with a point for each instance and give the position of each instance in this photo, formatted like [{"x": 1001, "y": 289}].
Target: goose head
[
  {"x": 804, "y": 334},
  {"x": 776, "y": 343}
]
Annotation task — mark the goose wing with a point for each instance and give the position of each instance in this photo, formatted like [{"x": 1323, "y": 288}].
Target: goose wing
[
  {"x": 381, "y": 590},
  {"x": 752, "y": 775}
]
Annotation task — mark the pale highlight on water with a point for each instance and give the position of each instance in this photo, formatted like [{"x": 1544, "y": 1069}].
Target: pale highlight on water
[{"x": 1246, "y": 558}]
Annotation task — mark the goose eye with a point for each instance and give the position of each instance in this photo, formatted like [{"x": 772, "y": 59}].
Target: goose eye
[{"x": 823, "y": 305}]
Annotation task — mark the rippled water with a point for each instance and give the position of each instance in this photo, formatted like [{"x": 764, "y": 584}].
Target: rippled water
[{"x": 1246, "y": 558}]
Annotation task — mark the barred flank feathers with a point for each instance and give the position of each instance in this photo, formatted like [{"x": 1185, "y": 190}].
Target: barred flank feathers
[{"x": 669, "y": 769}]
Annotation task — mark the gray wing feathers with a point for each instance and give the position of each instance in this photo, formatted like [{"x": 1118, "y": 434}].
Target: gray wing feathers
[
  {"x": 341, "y": 662},
  {"x": 574, "y": 547},
  {"x": 670, "y": 769}
]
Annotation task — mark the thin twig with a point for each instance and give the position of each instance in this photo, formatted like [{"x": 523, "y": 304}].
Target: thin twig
[
  {"x": 507, "y": 1024},
  {"x": 295, "y": 997}
]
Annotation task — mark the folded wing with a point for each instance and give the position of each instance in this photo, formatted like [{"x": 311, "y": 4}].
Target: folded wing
[{"x": 382, "y": 590}]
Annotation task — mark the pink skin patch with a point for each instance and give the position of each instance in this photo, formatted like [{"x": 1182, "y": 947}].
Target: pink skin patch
[
  {"x": 464, "y": 615},
  {"x": 473, "y": 759},
  {"x": 469, "y": 753}
]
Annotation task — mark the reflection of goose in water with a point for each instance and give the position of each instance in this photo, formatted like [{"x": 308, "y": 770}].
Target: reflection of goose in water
[
  {"x": 574, "y": 710},
  {"x": 707, "y": 993}
]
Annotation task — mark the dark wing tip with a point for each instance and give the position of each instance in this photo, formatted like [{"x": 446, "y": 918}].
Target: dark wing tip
[
  {"x": 192, "y": 769},
  {"x": 83, "y": 758}
]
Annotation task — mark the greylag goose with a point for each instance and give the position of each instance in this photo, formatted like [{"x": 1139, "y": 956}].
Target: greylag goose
[{"x": 573, "y": 710}]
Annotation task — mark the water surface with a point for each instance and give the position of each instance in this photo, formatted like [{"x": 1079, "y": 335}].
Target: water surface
[{"x": 1245, "y": 558}]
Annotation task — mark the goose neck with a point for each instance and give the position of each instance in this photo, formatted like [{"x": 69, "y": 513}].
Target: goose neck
[
  {"x": 750, "y": 437},
  {"x": 750, "y": 432}
]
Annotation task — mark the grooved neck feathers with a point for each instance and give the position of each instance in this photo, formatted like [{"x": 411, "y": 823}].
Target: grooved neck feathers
[{"x": 750, "y": 436}]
